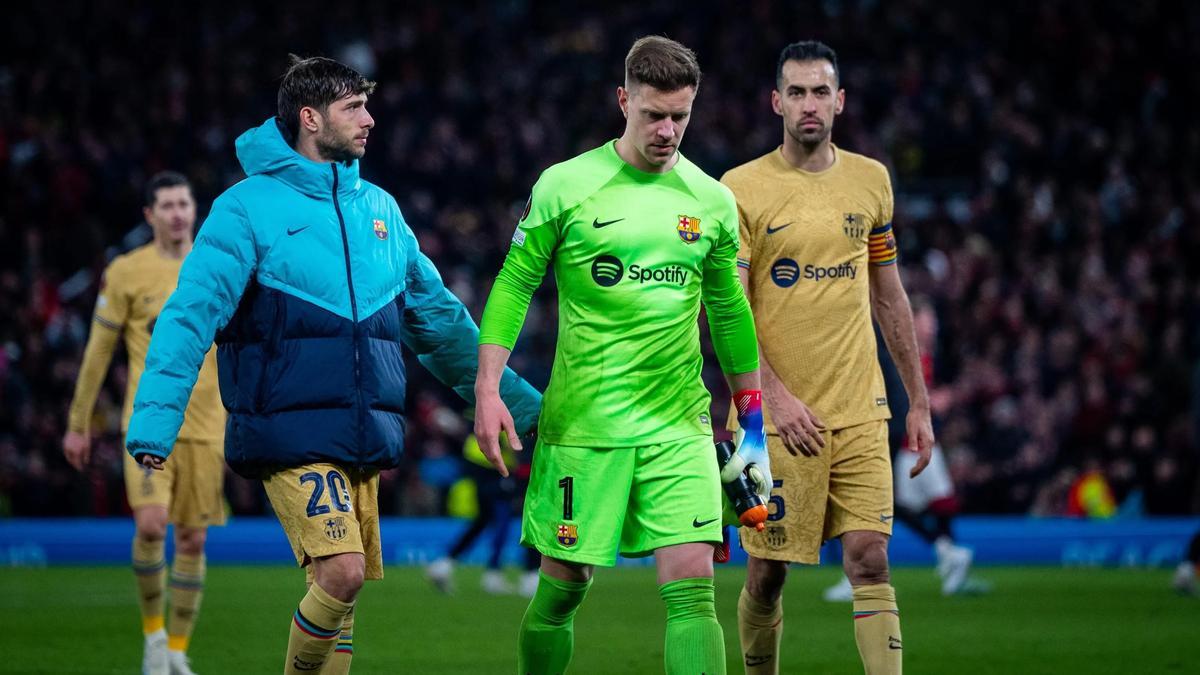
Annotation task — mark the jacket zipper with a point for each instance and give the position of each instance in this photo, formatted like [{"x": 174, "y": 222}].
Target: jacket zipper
[{"x": 353, "y": 309}]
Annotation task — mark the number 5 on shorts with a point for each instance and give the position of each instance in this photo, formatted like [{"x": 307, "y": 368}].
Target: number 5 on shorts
[
  {"x": 337, "y": 492},
  {"x": 777, "y": 500}
]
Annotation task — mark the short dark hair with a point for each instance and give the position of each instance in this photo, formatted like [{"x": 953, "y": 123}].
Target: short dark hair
[
  {"x": 316, "y": 82},
  {"x": 163, "y": 179},
  {"x": 808, "y": 50},
  {"x": 661, "y": 63}
]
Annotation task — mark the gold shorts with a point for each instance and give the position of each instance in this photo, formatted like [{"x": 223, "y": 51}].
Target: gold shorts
[
  {"x": 191, "y": 484},
  {"x": 326, "y": 510},
  {"x": 847, "y": 487}
]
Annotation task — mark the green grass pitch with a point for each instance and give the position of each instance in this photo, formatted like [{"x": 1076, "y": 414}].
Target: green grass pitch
[{"x": 1036, "y": 620}]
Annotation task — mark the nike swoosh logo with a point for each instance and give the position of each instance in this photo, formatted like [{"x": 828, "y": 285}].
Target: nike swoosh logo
[
  {"x": 773, "y": 230},
  {"x": 596, "y": 223},
  {"x": 758, "y": 660},
  {"x": 884, "y": 519},
  {"x": 702, "y": 523},
  {"x": 292, "y": 231}
]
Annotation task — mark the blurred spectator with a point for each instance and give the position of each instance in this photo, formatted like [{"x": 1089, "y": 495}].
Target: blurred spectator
[
  {"x": 1045, "y": 155},
  {"x": 1090, "y": 496}
]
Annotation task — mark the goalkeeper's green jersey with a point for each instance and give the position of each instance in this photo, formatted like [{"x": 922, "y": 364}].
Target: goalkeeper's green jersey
[{"x": 634, "y": 254}]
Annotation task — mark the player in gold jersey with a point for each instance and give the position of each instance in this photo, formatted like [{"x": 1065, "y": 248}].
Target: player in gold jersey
[
  {"x": 188, "y": 491},
  {"x": 817, "y": 259}
]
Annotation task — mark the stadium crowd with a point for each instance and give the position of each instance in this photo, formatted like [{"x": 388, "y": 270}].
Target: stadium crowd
[{"x": 1045, "y": 157}]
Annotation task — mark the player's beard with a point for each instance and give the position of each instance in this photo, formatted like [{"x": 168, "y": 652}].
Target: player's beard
[
  {"x": 809, "y": 140},
  {"x": 336, "y": 149}
]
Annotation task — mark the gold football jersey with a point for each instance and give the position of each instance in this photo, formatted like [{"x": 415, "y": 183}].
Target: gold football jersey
[
  {"x": 807, "y": 241},
  {"x": 133, "y": 291}
]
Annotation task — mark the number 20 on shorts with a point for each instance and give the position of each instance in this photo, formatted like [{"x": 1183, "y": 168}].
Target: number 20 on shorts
[{"x": 338, "y": 494}]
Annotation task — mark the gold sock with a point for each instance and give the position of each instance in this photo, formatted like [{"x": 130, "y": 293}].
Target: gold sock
[
  {"x": 150, "y": 570},
  {"x": 760, "y": 626},
  {"x": 187, "y": 587},
  {"x": 877, "y": 629},
  {"x": 339, "y": 663},
  {"x": 316, "y": 625}
]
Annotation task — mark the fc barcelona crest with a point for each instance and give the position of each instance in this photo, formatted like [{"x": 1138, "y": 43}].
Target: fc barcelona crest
[
  {"x": 380, "y": 229},
  {"x": 776, "y": 537},
  {"x": 854, "y": 225},
  {"x": 335, "y": 528},
  {"x": 689, "y": 229},
  {"x": 568, "y": 534}
]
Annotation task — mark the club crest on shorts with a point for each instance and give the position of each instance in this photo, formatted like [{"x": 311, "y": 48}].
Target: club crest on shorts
[
  {"x": 689, "y": 229},
  {"x": 380, "y": 229},
  {"x": 776, "y": 536},
  {"x": 335, "y": 528},
  {"x": 568, "y": 534}
]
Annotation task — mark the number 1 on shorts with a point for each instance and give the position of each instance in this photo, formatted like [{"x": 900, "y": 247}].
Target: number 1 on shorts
[{"x": 568, "y": 486}]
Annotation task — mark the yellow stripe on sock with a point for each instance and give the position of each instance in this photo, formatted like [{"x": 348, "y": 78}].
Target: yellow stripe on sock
[
  {"x": 151, "y": 624},
  {"x": 177, "y": 643}
]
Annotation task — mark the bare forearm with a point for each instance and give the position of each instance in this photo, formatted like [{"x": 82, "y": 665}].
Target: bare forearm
[
  {"x": 492, "y": 360},
  {"x": 895, "y": 318}
]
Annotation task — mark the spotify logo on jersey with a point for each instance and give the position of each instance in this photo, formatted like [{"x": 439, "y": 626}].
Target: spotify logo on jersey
[
  {"x": 607, "y": 270},
  {"x": 784, "y": 272}
]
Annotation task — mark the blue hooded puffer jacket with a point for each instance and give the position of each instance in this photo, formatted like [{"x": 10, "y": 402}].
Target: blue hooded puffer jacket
[{"x": 310, "y": 281}]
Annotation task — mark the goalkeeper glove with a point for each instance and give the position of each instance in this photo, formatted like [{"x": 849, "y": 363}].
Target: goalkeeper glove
[{"x": 751, "y": 454}]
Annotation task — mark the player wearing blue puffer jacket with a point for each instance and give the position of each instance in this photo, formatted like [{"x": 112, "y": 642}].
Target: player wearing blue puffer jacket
[{"x": 310, "y": 280}]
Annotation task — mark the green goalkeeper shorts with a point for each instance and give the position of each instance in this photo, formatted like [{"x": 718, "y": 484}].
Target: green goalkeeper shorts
[{"x": 586, "y": 504}]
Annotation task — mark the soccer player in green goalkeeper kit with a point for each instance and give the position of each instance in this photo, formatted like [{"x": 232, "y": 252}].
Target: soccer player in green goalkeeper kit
[{"x": 637, "y": 236}]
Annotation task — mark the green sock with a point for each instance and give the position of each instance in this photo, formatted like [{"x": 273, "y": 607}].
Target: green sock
[
  {"x": 547, "y": 636},
  {"x": 695, "y": 644}
]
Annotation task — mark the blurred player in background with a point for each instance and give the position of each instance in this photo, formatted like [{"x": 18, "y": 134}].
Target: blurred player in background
[
  {"x": 495, "y": 495},
  {"x": 637, "y": 236},
  {"x": 1188, "y": 569},
  {"x": 313, "y": 279},
  {"x": 188, "y": 492},
  {"x": 925, "y": 503},
  {"x": 818, "y": 261}
]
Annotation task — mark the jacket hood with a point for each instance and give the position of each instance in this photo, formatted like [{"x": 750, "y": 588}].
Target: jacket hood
[{"x": 264, "y": 151}]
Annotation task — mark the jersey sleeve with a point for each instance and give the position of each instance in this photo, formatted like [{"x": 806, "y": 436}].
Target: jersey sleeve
[
  {"x": 730, "y": 321},
  {"x": 112, "y": 303},
  {"x": 745, "y": 234},
  {"x": 882, "y": 240},
  {"x": 211, "y": 282},
  {"x": 533, "y": 244},
  {"x": 438, "y": 328},
  {"x": 109, "y": 318}
]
